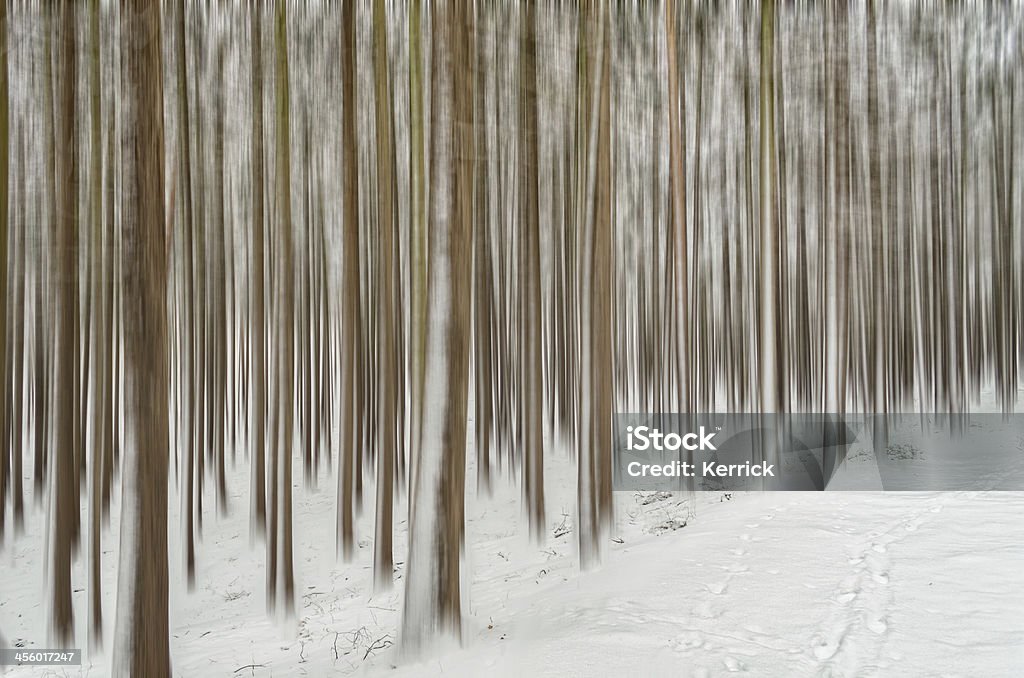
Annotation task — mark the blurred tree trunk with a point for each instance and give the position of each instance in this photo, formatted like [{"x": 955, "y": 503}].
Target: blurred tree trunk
[
  {"x": 387, "y": 375},
  {"x": 191, "y": 449},
  {"x": 602, "y": 316},
  {"x": 6, "y": 425},
  {"x": 280, "y": 572},
  {"x": 589, "y": 526},
  {"x": 418, "y": 219},
  {"x": 677, "y": 181},
  {"x": 218, "y": 264},
  {"x": 878, "y": 230},
  {"x": 112, "y": 354},
  {"x": 596, "y": 288},
  {"x": 201, "y": 357},
  {"x": 141, "y": 645},
  {"x": 44, "y": 407},
  {"x": 433, "y": 601},
  {"x": 65, "y": 489},
  {"x": 99, "y": 338},
  {"x": 17, "y": 328},
  {"x": 768, "y": 305},
  {"x": 258, "y": 329},
  {"x": 351, "y": 402},
  {"x": 529, "y": 229},
  {"x": 483, "y": 281}
]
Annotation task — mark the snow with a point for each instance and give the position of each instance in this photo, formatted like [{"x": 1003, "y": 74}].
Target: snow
[
  {"x": 782, "y": 584},
  {"x": 772, "y": 584}
]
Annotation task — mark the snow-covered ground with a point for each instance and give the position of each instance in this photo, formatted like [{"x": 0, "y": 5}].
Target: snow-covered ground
[
  {"x": 773, "y": 584},
  {"x": 780, "y": 585}
]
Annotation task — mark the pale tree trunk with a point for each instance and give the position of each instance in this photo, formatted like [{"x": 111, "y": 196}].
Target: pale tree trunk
[
  {"x": 418, "y": 240},
  {"x": 141, "y": 645},
  {"x": 767, "y": 354},
  {"x": 877, "y": 226},
  {"x": 836, "y": 219},
  {"x": 218, "y": 261},
  {"x": 483, "y": 285},
  {"x": 677, "y": 185},
  {"x": 16, "y": 348},
  {"x": 433, "y": 601}
]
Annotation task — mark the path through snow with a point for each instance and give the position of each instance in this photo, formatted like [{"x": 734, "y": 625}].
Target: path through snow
[{"x": 834, "y": 584}]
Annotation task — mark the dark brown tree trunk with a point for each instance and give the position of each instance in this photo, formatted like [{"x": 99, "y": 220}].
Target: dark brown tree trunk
[
  {"x": 65, "y": 490},
  {"x": 351, "y": 404},
  {"x": 100, "y": 409},
  {"x": 387, "y": 375},
  {"x": 142, "y": 647},
  {"x": 190, "y": 449},
  {"x": 529, "y": 228},
  {"x": 5, "y": 422}
]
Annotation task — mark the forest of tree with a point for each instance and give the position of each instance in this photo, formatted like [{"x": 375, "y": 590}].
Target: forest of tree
[{"x": 369, "y": 235}]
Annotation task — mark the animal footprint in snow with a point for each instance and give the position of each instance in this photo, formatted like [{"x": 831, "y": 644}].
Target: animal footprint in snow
[
  {"x": 718, "y": 589},
  {"x": 687, "y": 641},
  {"x": 825, "y": 649},
  {"x": 845, "y": 598},
  {"x": 881, "y": 577},
  {"x": 878, "y": 626},
  {"x": 878, "y": 548},
  {"x": 733, "y": 664},
  {"x": 911, "y": 526},
  {"x": 704, "y": 611}
]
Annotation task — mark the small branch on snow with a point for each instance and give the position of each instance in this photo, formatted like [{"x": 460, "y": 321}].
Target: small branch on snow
[
  {"x": 248, "y": 666},
  {"x": 379, "y": 644},
  {"x": 562, "y": 529}
]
